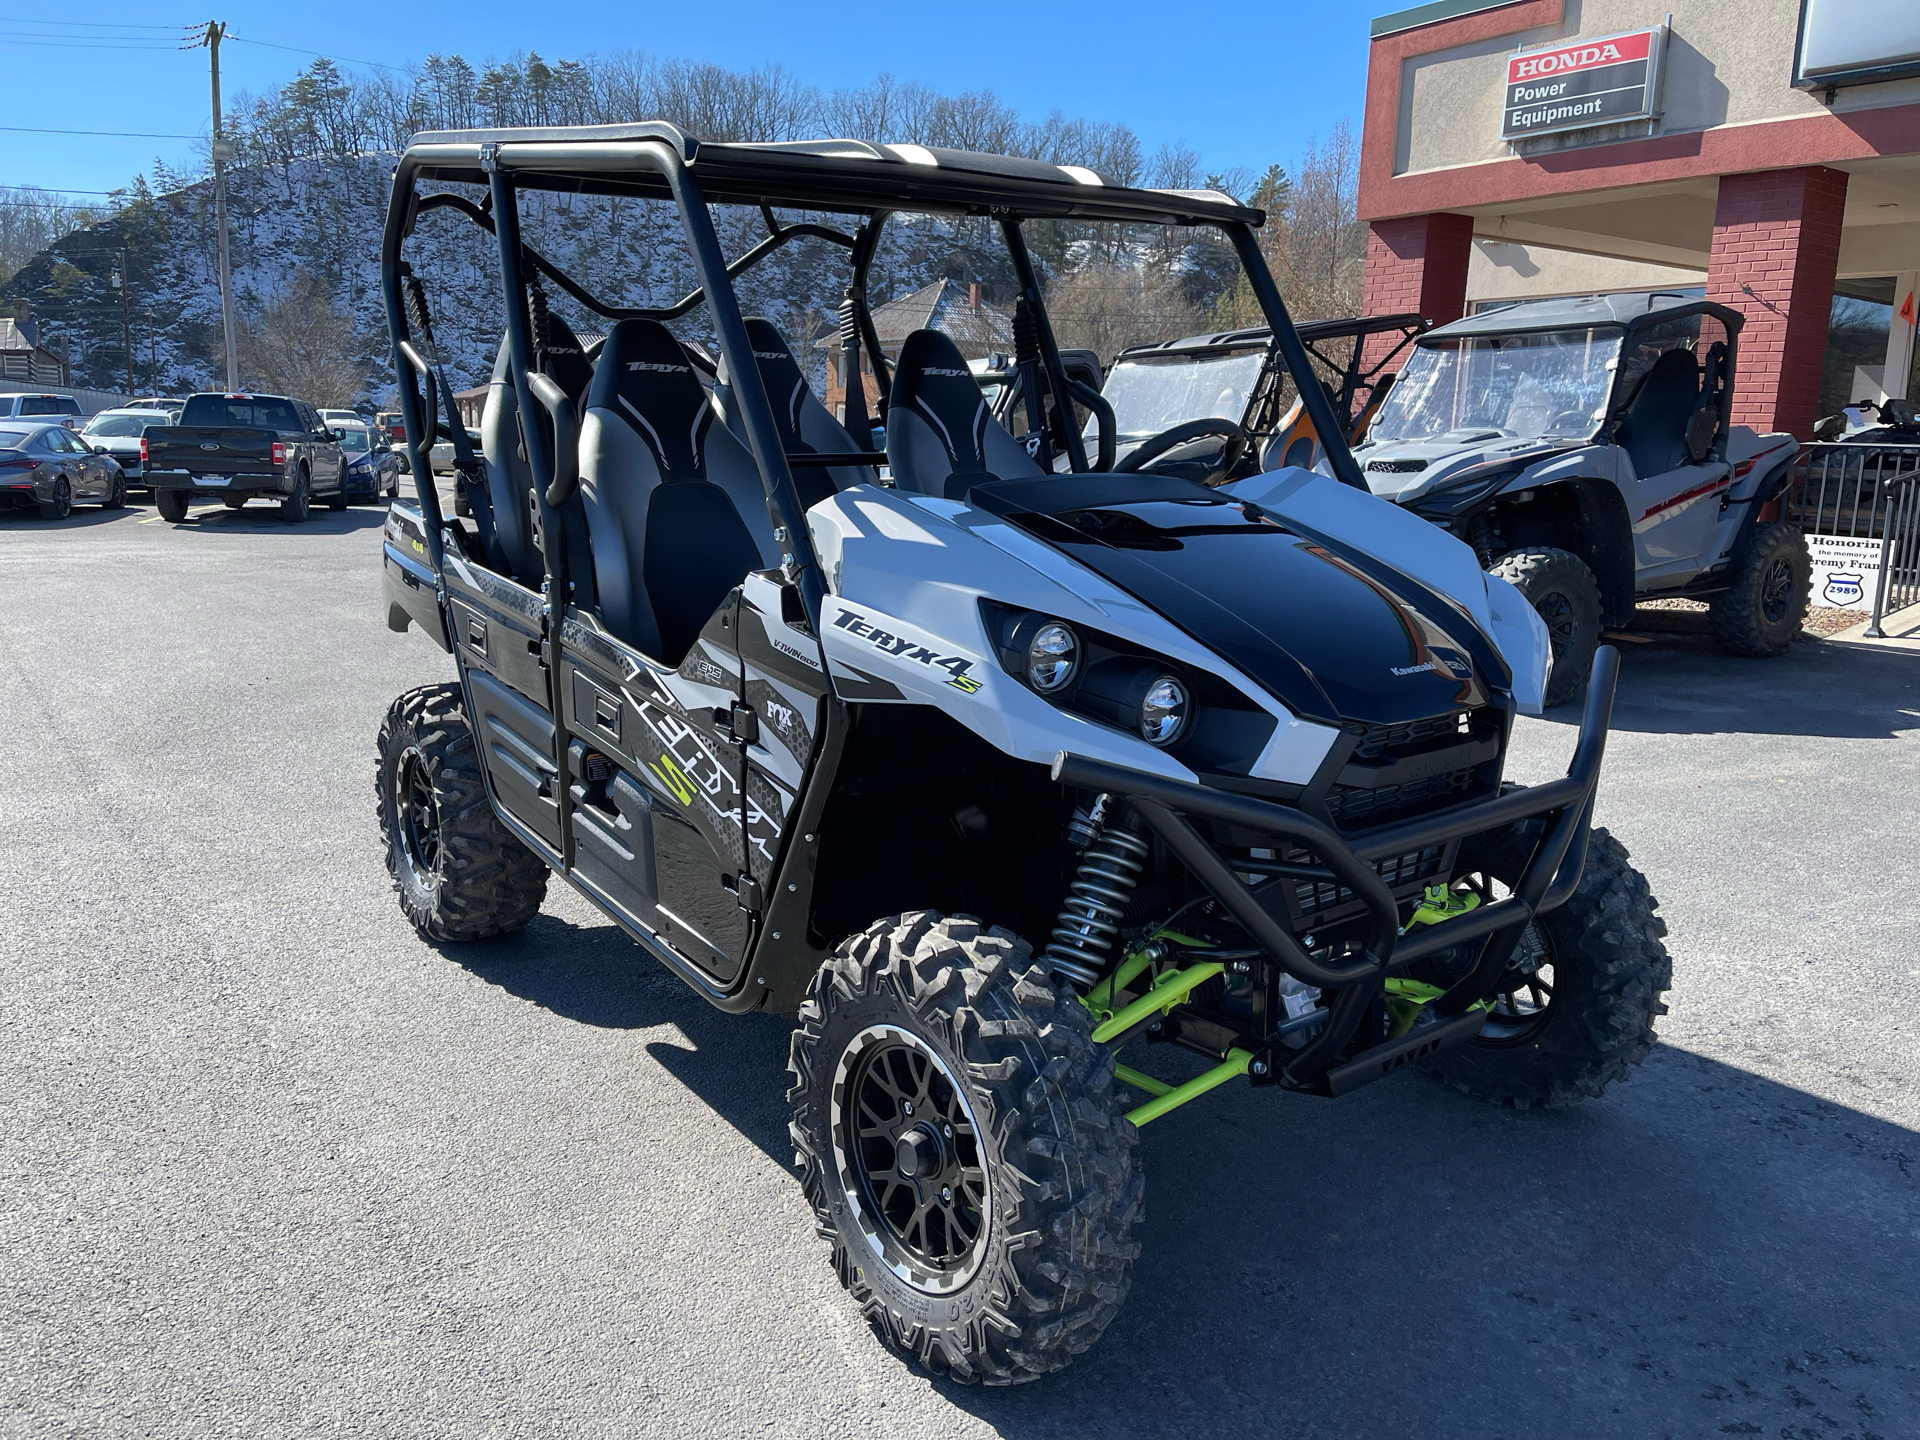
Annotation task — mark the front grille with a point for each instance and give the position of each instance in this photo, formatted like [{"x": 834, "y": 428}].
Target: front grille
[
  {"x": 1377, "y": 740},
  {"x": 1397, "y": 467},
  {"x": 1352, "y": 806}
]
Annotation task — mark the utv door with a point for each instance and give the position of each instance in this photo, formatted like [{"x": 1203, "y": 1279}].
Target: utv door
[
  {"x": 692, "y": 763},
  {"x": 1675, "y": 516},
  {"x": 496, "y": 638}
]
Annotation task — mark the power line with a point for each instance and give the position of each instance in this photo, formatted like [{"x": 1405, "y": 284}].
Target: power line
[
  {"x": 89, "y": 24},
  {"x": 296, "y": 50},
  {"x": 157, "y": 49},
  {"x": 105, "y": 134},
  {"x": 41, "y": 189}
]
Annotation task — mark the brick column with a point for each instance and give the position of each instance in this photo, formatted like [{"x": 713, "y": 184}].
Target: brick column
[
  {"x": 1776, "y": 244},
  {"x": 1417, "y": 264}
]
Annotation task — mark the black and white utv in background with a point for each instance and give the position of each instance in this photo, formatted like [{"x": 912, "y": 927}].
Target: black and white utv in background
[
  {"x": 984, "y": 771},
  {"x": 1582, "y": 447}
]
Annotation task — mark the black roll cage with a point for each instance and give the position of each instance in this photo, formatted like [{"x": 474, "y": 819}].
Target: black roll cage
[{"x": 654, "y": 160}]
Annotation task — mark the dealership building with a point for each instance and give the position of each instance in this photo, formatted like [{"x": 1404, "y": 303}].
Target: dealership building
[{"x": 1764, "y": 154}]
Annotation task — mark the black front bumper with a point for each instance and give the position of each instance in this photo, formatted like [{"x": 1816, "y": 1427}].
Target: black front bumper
[{"x": 1565, "y": 805}]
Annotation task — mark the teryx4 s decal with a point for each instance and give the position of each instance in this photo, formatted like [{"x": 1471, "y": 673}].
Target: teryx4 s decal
[{"x": 957, "y": 667}]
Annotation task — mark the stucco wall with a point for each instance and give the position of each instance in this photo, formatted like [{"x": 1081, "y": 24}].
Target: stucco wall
[
  {"x": 1504, "y": 271},
  {"x": 1726, "y": 64}
]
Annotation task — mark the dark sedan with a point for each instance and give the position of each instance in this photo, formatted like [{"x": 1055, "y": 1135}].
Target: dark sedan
[
  {"x": 51, "y": 467},
  {"x": 373, "y": 471}
]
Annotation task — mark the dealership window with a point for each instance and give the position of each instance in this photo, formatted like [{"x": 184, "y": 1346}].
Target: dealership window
[{"x": 1856, "y": 361}]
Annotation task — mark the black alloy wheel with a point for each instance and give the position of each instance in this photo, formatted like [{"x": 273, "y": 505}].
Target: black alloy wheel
[
  {"x": 418, "y": 814},
  {"x": 908, "y": 1149},
  {"x": 1776, "y": 591},
  {"x": 116, "y": 493},
  {"x": 61, "y": 505},
  {"x": 1521, "y": 1006}
]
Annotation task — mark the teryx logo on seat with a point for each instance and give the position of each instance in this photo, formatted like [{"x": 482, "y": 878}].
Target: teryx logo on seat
[
  {"x": 957, "y": 668},
  {"x": 654, "y": 365}
]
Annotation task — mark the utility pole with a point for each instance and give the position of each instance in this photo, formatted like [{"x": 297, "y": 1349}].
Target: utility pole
[
  {"x": 222, "y": 152},
  {"x": 153, "y": 359},
  {"x": 120, "y": 283}
]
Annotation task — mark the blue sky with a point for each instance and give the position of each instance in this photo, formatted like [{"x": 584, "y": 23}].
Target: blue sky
[{"x": 1242, "y": 84}]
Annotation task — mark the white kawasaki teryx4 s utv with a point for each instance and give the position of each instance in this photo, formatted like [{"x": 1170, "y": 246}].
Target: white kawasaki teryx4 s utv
[
  {"x": 1582, "y": 448},
  {"x": 984, "y": 771}
]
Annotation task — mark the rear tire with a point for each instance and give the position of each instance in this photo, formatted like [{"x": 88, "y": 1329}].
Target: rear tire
[
  {"x": 1599, "y": 958},
  {"x": 299, "y": 505},
  {"x": 172, "y": 505},
  {"x": 461, "y": 874},
  {"x": 1022, "y": 1267},
  {"x": 234, "y": 502},
  {"x": 61, "y": 505},
  {"x": 1765, "y": 604},
  {"x": 1558, "y": 584}
]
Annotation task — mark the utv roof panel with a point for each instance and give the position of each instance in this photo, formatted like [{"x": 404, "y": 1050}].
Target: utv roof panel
[
  {"x": 853, "y": 176},
  {"x": 1579, "y": 311}
]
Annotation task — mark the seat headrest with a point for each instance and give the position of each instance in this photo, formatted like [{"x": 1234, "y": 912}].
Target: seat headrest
[
  {"x": 565, "y": 359},
  {"x": 645, "y": 378},
  {"x": 781, "y": 375},
  {"x": 932, "y": 380}
]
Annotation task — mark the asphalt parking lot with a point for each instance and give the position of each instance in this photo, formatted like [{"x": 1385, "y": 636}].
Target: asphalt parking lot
[{"x": 273, "y": 1166}]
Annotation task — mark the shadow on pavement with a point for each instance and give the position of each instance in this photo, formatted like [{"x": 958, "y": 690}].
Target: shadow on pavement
[
  {"x": 82, "y": 517},
  {"x": 1702, "y": 1252},
  {"x": 1686, "y": 685},
  {"x": 263, "y": 517}
]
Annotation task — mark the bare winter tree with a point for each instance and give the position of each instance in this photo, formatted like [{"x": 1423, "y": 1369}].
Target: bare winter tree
[
  {"x": 1107, "y": 308},
  {"x": 1313, "y": 240},
  {"x": 304, "y": 344}
]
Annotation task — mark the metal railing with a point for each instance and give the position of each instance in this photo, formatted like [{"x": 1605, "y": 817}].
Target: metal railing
[{"x": 1866, "y": 491}]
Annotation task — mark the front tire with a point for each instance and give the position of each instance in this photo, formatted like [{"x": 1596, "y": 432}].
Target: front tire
[
  {"x": 172, "y": 505},
  {"x": 1765, "y": 604},
  {"x": 1575, "y": 1011},
  {"x": 117, "y": 495},
  {"x": 1007, "y": 1247},
  {"x": 1558, "y": 584},
  {"x": 338, "y": 500},
  {"x": 461, "y": 874}
]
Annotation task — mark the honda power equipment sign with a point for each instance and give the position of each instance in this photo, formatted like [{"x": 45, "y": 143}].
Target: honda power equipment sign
[{"x": 1581, "y": 83}]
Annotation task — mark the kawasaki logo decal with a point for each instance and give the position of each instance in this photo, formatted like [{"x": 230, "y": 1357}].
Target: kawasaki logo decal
[{"x": 958, "y": 669}]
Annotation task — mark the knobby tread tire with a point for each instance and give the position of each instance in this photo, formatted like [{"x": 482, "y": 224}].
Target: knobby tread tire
[
  {"x": 1735, "y": 614},
  {"x": 488, "y": 882},
  {"x": 1058, "y": 1149},
  {"x": 1610, "y": 970},
  {"x": 1539, "y": 573}
]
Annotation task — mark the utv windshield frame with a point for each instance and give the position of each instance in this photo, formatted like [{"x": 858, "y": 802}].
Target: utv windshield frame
[{"x": 863, "y": 181}]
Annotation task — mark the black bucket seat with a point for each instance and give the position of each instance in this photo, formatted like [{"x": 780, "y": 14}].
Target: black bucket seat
[
  {"x": 512, "y": 549},
  {"x": 806, "y": 427},
  {"x": 1655, "y": 433},
  {"x": 675, "y": 512},
  {"x": 941, "y": 438}
]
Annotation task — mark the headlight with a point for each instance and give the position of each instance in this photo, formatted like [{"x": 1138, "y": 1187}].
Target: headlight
[
  {"x": 1052, "y": 657},
  {"x": 1163, "y": 711}
]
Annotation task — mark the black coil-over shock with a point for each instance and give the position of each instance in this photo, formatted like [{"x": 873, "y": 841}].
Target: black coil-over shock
[{"x": 1111, "y": 863}]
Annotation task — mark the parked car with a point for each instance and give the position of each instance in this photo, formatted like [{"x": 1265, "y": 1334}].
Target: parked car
[
  {"x": 170, "y": 403},
  {"x": 46, "y": 465},
  {"x": 442, "y": 453},
  {"x": 24, "y": 404},
  {"x": 242, "y": 446},
  {"x": 373, "y": 470},
  {"x": 118, "y": 432},
  {"x": 337, "y": 418},
  {"x": 389, "y": 425}
]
